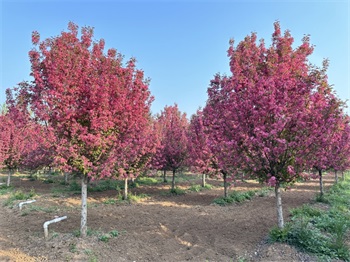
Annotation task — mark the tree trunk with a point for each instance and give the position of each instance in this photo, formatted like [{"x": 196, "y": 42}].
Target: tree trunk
[
  {"x": 225, "y": 185},
  {"x": 83, "y": 222},
  {"x": 203, "y": 180},
  {"x": 66, "y": 178},
  {"x": 342, "y": 175},
  {"x": 9, "y": 177},
  {"x": 279, "y": 206},
  {"x": 125, "y": 193},
  {"x": 321, "y": 182},
  {"x": 336, "y": 176},
  {"x": 164, "y": 176},
  {"x": 173, "y": 181}
]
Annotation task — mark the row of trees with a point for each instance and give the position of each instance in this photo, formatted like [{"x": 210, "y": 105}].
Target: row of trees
[{"x": 274, "y": 118}]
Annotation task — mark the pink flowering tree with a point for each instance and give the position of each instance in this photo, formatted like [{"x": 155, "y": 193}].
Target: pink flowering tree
[
  {"x": 259, "y": 115},
  {"x": 340, "y": 148},
  {"x": 172, "y": 151},
  {"x": 39, "y": 143},
  {"x": 17, "y": 130},
  {"x": 134, "y": 153},
  {"x": 90, "y": 100},
  {"x": 327, "y": 118},
  {"x": 200, "y": 158},
  {"x": 5, "y": 135},
  {"x": 214, "y": 119}
]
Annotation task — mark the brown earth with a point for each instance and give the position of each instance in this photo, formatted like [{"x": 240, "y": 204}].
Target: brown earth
[{"x": 162, "y": 227}]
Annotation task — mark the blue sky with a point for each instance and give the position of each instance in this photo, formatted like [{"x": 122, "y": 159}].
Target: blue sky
[{"x": 179, "y": 44}]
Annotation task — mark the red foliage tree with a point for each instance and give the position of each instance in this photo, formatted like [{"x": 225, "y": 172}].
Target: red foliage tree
[
  {"x": 172, "y": 152},
  {"x": 327, "y": 118},
  {"x": 91, "y": 101},
  {"x": 340, "y": 148},
  {"x": 259, "y": 116},
  {"x": 200, "y": 157},
  {"x": 17, "y": 133},
  {"x": 134, "y": 152}
]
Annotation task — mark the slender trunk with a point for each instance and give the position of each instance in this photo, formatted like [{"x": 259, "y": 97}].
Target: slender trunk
[
  {"x": 164, "y": 176},
  {"x": 336, "y": 176},
  {"x": 225, "y": 185},
  {"x": 173, "y": 181},
  {"x": 321, "y": 182},
  {"x": 279, "y": 206},
  {"x": 9, "y": 177},
  {"x": 125, "y": 193},
  {"x": 342, "y": 175},
  {"x": 66, "y": 178},
  {"x": 83, "y": 222},
  {"x": 203, "y": 180}
]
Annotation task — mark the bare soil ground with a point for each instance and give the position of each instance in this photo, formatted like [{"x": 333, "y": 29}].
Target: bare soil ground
[{"x": 161, "y": 227}]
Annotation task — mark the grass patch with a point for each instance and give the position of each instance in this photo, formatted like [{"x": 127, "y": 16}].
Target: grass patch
[
  {"x": 104, "y": 237},
  {"x": 320, "y": 231},
  {"x": 19, "y": 195},
  {"x": 41, "y": 209},
  {"x": 235, "y": 197},
  {"x": 5, "y": 189},
  {"x": 184, "y": 178},
  {"x": 148, "y": 181},
  {"x": 263, "y": 192},
  {"x": 110, "y": 201},
  {"x": 177, "y": 191},
  {"x": 137, "y": 198},
  {"x": 198, "y": 188}
]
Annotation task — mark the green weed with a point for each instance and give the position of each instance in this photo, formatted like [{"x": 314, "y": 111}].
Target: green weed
[
  {"x": 19, "y": 195},
  {"x": 234, "y": 197},
  {"x": 5, "y": 189},
  {"x": 136, "y": 198},
  {"x": 195, "y": 188},
  {"x": 177, "y": 191},
  {"x": 148, "y": 181}
]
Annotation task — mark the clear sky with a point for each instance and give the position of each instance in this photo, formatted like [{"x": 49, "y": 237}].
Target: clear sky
[{"x": 179, "y": 44}]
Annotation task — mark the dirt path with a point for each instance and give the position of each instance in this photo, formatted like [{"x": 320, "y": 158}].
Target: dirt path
[{"x": 161, "y": 228}]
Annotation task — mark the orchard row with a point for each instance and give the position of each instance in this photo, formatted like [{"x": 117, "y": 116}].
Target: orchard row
[{"x": 274, "y": 118}]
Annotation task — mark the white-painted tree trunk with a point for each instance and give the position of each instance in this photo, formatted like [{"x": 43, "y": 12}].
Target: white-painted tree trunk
[
  {"x": 66, "y": 178},
  {"x": 203, "y": 180},
  {"x": 125, "y": 195},
  {"x": 9, "y": 177},
  {"x": 321, "y": 182},
  {"x": 83, "y": 222},
  {"x": 279, "y": 206},
  {"x": 336, "y": 176},
  {"x": 225, "y": 185},
  {"x": 173, "y": 181}
]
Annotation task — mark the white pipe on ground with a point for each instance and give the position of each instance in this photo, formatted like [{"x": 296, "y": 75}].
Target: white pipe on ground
[
  {"x": 24, "y": 203},
  {"x": 47, "y": 223}
]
